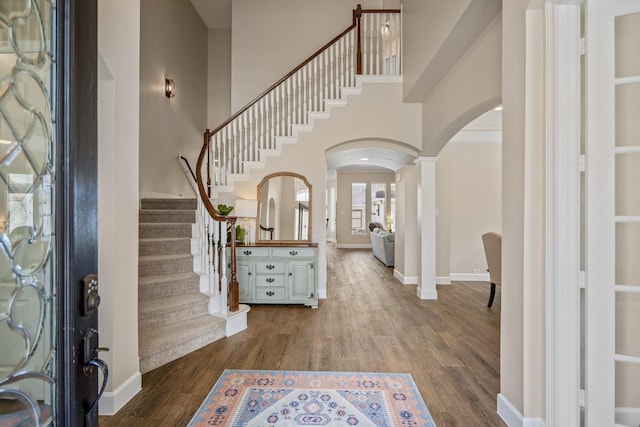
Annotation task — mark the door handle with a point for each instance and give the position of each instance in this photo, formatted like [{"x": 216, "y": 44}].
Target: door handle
[{"x": 90, "y": 362}]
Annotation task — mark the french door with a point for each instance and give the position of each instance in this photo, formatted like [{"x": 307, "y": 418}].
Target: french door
[
  {"x": 49, "y": 369},
  {"x": 612, "y": 341}
]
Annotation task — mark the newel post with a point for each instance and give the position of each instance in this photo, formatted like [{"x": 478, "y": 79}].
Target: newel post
[
  {"x": 234, "y": 301},
  {"x": 357, "y": 15}
]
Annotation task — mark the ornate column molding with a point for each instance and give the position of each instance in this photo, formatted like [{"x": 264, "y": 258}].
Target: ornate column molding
[{"x": 562, "y": 224}]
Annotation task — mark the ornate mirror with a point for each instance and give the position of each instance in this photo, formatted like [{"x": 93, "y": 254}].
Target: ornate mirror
[{"x": 284, "y": 208}]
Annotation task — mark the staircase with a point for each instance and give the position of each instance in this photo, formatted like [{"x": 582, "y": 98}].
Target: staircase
[{"x": 173, "y": 317}]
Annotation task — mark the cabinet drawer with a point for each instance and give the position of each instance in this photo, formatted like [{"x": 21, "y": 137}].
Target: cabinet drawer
[
  {"x": 293, "y": 252},
  {"x": 266, "y": 294},
  {"x": 270, "y": 267},
  {"x": 270, "y": 280},
  {"x": 252, "y": 252}
]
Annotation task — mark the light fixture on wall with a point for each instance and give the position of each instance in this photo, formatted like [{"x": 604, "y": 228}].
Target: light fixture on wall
[
  {"x": 169, "y": 88},
  {"x": 246, "y": 209}
]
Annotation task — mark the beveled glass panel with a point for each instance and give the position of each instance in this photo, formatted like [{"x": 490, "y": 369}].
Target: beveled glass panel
[
  {"x": 627, "y": 250},
  {"x": 627, "y": 39},
  {"x": 27, "y": 290},
  {"x": 627, "y": 114},
  {"x": 627, "y": 321},
  {"x": 627, "y": 184}
]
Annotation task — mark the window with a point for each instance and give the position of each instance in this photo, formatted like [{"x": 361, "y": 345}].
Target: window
[
  {"x": 391, "y": 220},
  {"x": 358, "y": 207}
]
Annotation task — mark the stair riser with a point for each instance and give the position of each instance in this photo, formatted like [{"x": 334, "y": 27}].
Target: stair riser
[
  {"x": 165, "y": 230},
  {"x": 167, "y": 216},
  {"x": 164, "y": 248},
  {"x": 156, "y": 267},
  {"x": 177, "y": 350},
  {"x": 162, "y": 290},
  {"x": 157, "y": 321},
  {"x": 169, "y": 204}
]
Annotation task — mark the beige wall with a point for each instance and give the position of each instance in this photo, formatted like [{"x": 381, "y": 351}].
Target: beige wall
[
  {"x": 174, "y": 44},
  {"x": 269, "y": 39},
  {"x": 470, "y": 88},
  {"x": 469, "y": 204},
  {"x": 345, "y": 179},
  {"x": 450, "y": 28},
  {"x": 513, "y": 101},
  {"x": 219, "y": 77},
  {"x": 118, "y": 107}
]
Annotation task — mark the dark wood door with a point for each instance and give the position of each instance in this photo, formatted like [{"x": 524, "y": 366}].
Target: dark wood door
[{"x": 49, "y": 366}]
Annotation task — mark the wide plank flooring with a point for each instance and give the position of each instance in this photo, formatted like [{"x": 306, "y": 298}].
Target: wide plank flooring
[{"x": 369, "y": 322}]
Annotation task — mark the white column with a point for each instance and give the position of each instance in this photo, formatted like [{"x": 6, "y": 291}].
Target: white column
[{"x": 427, "y": 227}]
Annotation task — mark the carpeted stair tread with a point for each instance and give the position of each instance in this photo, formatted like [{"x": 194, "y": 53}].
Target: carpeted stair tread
[
  {"x": 163, "y": 345},
  {"x": 169, "y": 204},
  {"x": 152, "y": 287},
  {"x": 167, "y": 216},
  {"x": 168, "y": 304},
  {"x": 159, "y": 229},
  {"x": 151, "y": 265},
  {"x": 164, "y": 246}
]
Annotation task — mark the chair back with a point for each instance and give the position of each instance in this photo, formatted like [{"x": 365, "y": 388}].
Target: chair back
[{"x": 493, "y": 251}]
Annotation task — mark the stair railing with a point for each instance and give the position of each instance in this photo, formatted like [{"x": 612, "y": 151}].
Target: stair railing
[
  {"x": 371, "y": 45},
  {"x": 211, "y": 249},
  {"x": 217, "y": 226}
]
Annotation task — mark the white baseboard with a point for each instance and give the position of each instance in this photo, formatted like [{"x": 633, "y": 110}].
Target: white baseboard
[
  {"x": 469, "y": 277},
  {"x": 426, "y": 294},
  {"x": 443, "y": 280},
  {"x": 354, "y": 245},
  {"x": 628, "y": 416},
  {"x": 512, "y": 417},
  {"x": 509, "y": 414},
  {"x": 112, "y": 401},
  {"x": 409, "y": 280},
  {"x": 322, "y": 293},
  {"x": 332, "y": 241}
]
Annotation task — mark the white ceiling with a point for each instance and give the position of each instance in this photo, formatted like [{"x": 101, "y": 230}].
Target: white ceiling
[{"x": 378, "y": 158}]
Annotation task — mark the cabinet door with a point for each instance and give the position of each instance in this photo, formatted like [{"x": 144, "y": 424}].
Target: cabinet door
[
  {"x": 301, "y": 275},
  {"x": 244, "y": 274}
]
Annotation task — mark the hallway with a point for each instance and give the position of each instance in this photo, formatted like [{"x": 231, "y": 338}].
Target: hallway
[{"x": 369, "y": 322}]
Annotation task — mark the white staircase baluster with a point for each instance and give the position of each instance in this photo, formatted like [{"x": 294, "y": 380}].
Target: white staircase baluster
[{"x": 224, "y": 284}]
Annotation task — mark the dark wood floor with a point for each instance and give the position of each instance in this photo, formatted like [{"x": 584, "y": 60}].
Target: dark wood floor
[{"x": 369, "y": 322}]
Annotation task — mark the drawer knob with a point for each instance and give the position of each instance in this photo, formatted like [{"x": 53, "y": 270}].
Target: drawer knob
[
  {"x": 270, "y": 280},
  {"x": 293, "y": 253},
  {"x": 270, "y": 293},
  {"x": 246, "y": 252},
  {"x": 270, "y": 267}
]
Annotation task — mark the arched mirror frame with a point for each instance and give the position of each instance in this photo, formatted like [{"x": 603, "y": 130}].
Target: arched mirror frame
[{"x": 261, "y": 205}]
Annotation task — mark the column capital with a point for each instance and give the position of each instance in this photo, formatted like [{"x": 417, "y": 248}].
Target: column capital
[{"x": 424, "y": 159}]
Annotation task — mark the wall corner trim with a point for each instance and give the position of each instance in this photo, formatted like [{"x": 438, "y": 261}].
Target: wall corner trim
[{"x": 112, "y": 401}]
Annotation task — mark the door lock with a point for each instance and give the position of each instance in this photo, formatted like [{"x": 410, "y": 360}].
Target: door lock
[{"x": 90, "y": 296}]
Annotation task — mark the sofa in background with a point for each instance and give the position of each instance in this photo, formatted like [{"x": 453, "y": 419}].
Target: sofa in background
[{"x": 383, "y": 245}]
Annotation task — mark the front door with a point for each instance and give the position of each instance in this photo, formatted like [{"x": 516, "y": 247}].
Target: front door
[{"x": 49, "y": 370}]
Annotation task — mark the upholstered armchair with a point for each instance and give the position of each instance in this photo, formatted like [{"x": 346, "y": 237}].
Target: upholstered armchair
[{"x": 493, "y": 251}]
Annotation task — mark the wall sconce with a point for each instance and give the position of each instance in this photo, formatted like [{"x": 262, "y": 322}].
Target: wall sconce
[{"x": 169, "y": 88}]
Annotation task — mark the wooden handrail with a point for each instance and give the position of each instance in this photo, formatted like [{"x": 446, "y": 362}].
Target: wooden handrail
[{"x": 233, "y": 282}]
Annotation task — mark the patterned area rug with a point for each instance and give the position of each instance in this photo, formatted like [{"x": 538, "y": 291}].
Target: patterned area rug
[{"x": 295, "y": 398}]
